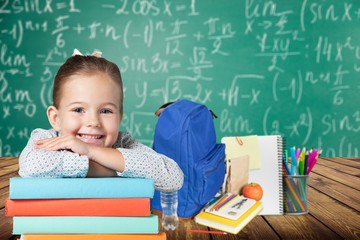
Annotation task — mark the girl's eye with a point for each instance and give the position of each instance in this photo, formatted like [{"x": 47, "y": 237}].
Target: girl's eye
[
  {"x": 78, "y": 110},
  {"x": 106, "y": 111}
]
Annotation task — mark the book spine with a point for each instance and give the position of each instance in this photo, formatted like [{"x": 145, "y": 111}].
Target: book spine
[
  {"x": 85, "y": 225},
  {"x": 78, "y": 207},
  {"x": 159, "y": 236},
  {"x": 45, "y": 188}
]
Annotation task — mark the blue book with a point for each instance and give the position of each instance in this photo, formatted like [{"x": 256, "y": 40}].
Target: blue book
[
  {"x": 86, "y": 225},
  {"x": 45, "y": 188}
]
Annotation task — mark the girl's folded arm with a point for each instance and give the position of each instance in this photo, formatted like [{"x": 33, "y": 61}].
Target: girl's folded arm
[
  {"x": 142, "y": 161},
  {"x": 41, "y": 163}
]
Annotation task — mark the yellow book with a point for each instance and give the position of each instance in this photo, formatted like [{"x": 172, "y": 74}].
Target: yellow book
[
  {"x": 225, "y": 224},
  {"x": 159, "y": 236}
]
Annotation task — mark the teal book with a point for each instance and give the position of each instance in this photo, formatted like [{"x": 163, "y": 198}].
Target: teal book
[
  {"x": 45, "y": 188},
  {"x": 86, "y": 225}
]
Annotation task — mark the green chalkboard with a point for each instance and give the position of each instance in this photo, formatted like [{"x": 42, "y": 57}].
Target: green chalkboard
[{"x": 264, "y": 67}]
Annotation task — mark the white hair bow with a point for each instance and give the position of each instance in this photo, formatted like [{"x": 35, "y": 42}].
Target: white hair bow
[{"x": 95, "y": 53}]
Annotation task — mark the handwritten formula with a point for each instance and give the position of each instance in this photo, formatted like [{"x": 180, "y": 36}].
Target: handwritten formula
[{"x": 264, "y": 67}]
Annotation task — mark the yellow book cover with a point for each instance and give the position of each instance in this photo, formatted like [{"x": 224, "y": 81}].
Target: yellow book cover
[
  {"x": 228, "y": 225},
  {"x": 159, "y": 236}
]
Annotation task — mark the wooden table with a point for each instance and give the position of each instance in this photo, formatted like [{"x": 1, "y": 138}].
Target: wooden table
[{"x": 334, "y": 205}]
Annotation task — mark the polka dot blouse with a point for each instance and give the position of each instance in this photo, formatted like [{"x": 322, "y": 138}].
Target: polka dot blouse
[{"x": 140, "y": 161}]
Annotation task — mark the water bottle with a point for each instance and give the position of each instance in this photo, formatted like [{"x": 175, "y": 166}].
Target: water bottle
[{"x": 169, "y": 205}]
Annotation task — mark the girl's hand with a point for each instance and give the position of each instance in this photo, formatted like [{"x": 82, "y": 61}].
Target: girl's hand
[
  {"x": 64, "y": 142},
  {"x": 109, "y": 158}
]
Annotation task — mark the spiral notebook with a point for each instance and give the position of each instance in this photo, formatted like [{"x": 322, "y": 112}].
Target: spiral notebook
[{"x": 269, "y": 174}]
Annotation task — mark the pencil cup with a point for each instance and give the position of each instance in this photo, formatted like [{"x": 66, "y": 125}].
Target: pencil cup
[{"x": 295, "y": 194}]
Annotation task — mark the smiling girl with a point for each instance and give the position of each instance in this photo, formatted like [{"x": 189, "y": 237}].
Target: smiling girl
[{"x": 84, "y": 140}]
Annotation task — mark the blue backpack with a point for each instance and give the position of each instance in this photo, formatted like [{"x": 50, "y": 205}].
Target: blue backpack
[{"x": 185, "y": 132}]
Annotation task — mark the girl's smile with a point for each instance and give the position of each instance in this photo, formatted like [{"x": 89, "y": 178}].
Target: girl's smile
[{"x": 91, "y": 138}]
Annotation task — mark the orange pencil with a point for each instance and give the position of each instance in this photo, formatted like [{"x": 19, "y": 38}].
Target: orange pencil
[{"x": 206, "y": 231}]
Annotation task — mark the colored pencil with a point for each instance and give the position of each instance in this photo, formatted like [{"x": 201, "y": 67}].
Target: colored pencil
[{"x": 206, "y": 231}]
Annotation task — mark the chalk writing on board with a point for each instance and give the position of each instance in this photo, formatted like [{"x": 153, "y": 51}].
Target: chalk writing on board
[{"x": 264, "y": 67}]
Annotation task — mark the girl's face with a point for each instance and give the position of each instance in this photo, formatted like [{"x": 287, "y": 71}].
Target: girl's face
[{"x": 88, "y": 109}]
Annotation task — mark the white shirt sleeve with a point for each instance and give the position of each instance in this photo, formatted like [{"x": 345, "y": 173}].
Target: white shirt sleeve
[
  {"x": 142, "y": 161},
  {"x": 53, "y": 164}
]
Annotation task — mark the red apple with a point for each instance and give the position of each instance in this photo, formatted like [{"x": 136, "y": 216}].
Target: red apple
[{"x": 253, "y": 191}]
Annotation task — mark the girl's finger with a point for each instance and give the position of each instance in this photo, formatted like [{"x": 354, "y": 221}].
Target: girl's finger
[{"x": 55, "y": 143}]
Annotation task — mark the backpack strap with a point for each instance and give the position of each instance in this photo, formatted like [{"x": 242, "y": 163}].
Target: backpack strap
[
  {"x": 213, "y": 114},
  {"x": 161, "y": 108}
]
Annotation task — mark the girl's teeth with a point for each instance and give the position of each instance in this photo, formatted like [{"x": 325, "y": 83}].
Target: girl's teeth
[{"x": 90, "y": 136}]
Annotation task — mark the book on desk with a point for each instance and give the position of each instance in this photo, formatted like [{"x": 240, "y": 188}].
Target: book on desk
[
  {"x": 96, "y": 207},
  {"x": 159, "y": 236},
  {"x": 78, "y": 207},
  {"x": 51, "y": 188},
  {"x": 230, "y": 213}
]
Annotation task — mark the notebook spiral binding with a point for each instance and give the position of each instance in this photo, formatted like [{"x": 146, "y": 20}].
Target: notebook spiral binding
[{"x": 281, "y": 154}]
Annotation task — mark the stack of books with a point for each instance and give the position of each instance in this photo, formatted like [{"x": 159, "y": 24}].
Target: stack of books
[
  {"x": 229, "y": 213},
  {"x": 82, "y": 208}
]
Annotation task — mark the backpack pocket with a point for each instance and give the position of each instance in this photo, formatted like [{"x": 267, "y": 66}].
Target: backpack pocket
[{"x": 210, "y": 177}]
